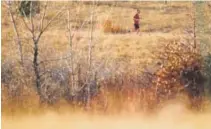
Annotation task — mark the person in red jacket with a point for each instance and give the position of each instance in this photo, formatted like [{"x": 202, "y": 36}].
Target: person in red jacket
[{"x": 136, "y": 19}]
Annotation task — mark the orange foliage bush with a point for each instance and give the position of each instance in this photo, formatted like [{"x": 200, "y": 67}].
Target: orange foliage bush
[
  {"x": 176, "y": 58},
  {"x": 109, "y": 27}
]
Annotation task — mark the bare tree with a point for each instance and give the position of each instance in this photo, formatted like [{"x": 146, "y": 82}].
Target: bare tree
[
  {"x": 71, "y": 52},
  {"x": 193, "y": 30},
  {"x": 17, "y": 39},
  {"x": 90, "y": 44},
  {"x": 36, "y": 35}
]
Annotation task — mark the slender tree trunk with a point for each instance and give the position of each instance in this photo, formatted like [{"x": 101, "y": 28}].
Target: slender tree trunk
[
  {"x": 16, "y": 33},
  {"x": 80, "y": 83},
  {"x": 71, "y": 55},
  {"x": 194, "y": 32},
  {"x": 90, "y": 43},
  {"x": 90, "y": 59},
  {"x": 194, "y": 27},
  {"x": 36, "y": 70}
]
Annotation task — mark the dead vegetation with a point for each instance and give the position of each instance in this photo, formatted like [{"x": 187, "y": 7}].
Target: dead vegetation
[
  {"x": 109, "y": 27},
  {"x": 79, "y": 65}
]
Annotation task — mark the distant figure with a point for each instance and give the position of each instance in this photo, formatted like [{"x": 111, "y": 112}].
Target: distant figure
[{"x": 136, "y": 19}]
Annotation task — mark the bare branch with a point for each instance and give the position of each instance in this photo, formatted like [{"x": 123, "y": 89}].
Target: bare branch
[
  {"x": 194, "y": 29},
  {"x": 90, "y": 58},
  {"x": 43, "y": 17},
  {"x": 56, "y": 59},
  {"x": 84, "y": 22},
  {"x": 16, "y": 32},
  {"x": 90, "y": 41},
  {"x": 31, "y": 19},
  {"x": 26, "y": 25},
  {"x": 49, "y": 23},
  {"x": 71, "y": 52},
  {"x": 32, "y": 23},
  {"x": 24, "y": 21},
  {"x": 50, "y": 60}
]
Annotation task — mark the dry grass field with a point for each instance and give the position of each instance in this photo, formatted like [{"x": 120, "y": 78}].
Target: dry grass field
[
  {"x": 159, "y": 22},
  {"x": 121, "y": 55}
]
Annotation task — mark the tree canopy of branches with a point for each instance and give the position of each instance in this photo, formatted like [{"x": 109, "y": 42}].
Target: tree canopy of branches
[{"x": 25, "y": 8}]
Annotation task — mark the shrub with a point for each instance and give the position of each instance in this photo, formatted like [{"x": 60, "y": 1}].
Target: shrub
[
  {"x": 109, "y": 27},
  {"x": 180, "y": 72}
]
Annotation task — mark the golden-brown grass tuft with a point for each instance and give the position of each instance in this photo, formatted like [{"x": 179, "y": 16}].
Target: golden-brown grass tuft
[{"x": 110, "y": 27}]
